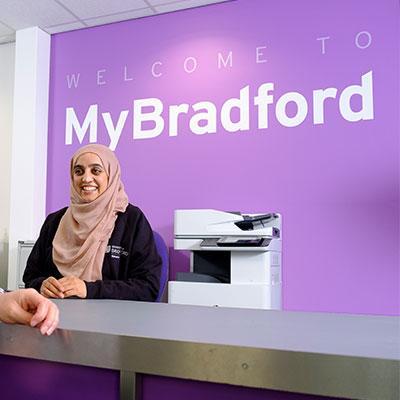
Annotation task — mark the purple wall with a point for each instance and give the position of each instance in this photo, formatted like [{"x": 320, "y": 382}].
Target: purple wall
[{"x": 336, "y": 183}]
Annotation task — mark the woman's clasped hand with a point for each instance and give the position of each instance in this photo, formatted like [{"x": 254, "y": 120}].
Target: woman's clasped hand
[{"x": 69, "y": 286}]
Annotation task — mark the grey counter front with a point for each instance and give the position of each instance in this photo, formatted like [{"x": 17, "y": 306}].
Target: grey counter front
[{"x": 337, "y": 355}]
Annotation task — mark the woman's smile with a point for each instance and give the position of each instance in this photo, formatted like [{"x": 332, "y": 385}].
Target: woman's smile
[{"x": 87, "y": 190}]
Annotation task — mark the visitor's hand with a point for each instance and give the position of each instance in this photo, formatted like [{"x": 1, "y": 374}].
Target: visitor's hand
[{"x": 28, "y": 307}]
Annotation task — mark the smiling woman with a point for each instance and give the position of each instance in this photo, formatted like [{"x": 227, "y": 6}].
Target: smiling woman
[
  {"x": 73, "y": 257},
  {"x": 89, "y": 177}
]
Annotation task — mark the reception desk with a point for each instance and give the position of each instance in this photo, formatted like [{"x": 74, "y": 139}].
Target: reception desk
[{"x": 309, "y": 354}]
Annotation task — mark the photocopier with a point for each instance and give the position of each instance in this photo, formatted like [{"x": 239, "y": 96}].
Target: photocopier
[{"x": 235, "y": 259}]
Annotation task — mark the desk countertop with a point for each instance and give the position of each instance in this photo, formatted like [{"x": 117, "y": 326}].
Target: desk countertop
[
  {"x": 339, "y": 334},
  {"x": 338, "y": 355}
]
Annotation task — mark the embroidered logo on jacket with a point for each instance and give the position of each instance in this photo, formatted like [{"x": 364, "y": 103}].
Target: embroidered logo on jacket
[{"x": 116, "y": 251}]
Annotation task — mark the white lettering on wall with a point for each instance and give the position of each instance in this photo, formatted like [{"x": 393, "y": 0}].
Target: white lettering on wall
[
  {"x": 209, "y": 116},
  {"x": 225, "y": 62},
  {"x": 190, "y": 65},
  {"x": 242, "y": 104},
  {"x": 259, "y": 55},
  {"x": 153, "y": 69},
  {"x": 365, "y": 91},
  {"x": 100, "y": 77},
  {"x": 174, "y": 112},
  {"x": 73, "y": 80},
  {"x": 301, "y": 113},
  {"x": 262, "y": 100},
  {"x": 139, "y": 116},
  {"x": 114, "y": 132},
  {"x": 202, "y": 117},
  {"x": 319, "y": 97},
  {"x": 126, "y": 77},
  {"x": 72, "y": 123},
  {"x": 322, "y": 39},
  {"x": 362, "y": 37}
]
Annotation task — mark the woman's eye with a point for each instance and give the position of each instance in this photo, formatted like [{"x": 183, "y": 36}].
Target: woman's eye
[
  {"x": 97, "y": 171},
  {"x": 78, "y": 172}
]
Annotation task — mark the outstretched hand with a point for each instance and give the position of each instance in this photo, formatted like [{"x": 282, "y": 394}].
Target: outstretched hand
[{"x": 28, "y": 307}]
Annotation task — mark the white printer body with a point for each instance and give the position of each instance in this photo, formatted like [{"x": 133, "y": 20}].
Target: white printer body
[{"x": 235, "y": 259}]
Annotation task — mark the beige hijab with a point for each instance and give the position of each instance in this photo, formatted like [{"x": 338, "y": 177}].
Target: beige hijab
[{"x": 81, "y": 238}]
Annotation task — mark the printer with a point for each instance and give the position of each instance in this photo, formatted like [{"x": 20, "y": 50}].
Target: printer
[{"x": 235, "y": 259}]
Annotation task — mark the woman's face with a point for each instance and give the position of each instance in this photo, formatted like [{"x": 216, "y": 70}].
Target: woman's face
[{"x": 89, "y": 177}]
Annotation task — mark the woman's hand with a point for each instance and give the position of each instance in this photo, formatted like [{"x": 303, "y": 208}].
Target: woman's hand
[
  {"x": 51, "y": 287},
  {"x": 73, "y": 286}
]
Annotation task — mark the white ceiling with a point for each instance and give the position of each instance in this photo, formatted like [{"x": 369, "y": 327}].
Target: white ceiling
[{"x": 55, "y": 16}]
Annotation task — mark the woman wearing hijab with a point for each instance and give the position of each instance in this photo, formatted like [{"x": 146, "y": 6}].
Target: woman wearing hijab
[{"x": 100, "y": 246}]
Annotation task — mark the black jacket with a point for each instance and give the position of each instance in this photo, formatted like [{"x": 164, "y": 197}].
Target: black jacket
[{"x": 131, "y": 267}]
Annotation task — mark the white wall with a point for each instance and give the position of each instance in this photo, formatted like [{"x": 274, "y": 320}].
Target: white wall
[
  {"x": 29, "y": 142},
  {"x": 7, "y": 62}
]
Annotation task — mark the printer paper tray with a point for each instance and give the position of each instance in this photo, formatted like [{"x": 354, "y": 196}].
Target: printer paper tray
[{"x": 210, "y": 244}]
